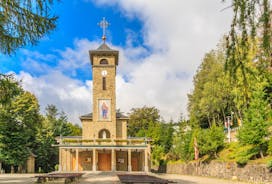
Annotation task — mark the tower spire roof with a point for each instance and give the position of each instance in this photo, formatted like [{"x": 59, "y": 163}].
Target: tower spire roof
[{"x": 104, "y": 49}]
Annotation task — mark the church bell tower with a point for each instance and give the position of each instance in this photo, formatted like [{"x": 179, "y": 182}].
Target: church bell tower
[{"x": 104, "y": 61}]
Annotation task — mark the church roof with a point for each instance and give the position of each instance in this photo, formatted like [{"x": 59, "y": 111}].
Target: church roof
[
  {"x": 119, "y": 115},
  {"x": 104, "y": 50},
  {"x": 104, "y": 47}
]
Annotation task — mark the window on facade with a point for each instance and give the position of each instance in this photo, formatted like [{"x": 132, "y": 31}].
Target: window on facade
[
  {"x": 104, "y": 83},
  {"x": 104, "y": 62}
]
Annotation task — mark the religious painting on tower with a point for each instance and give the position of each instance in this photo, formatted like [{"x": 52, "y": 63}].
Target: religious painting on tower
[{"x": 104, "y": 106}]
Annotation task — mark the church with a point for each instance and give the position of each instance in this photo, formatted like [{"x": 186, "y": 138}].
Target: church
[{"x": 104, "y": 144}]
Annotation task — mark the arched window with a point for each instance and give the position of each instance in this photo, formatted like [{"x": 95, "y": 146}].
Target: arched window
[
  {"x": 104, "y": 62},
  {"x": 104, "y": 134}
]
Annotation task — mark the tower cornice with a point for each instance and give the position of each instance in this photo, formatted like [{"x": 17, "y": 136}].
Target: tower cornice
[{"x": 104, "y": 52}]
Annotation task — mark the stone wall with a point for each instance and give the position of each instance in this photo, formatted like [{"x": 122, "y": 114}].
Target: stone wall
[{"x": 250, "y": 172}]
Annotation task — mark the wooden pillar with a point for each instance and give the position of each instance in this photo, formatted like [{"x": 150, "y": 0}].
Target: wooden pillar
[
  {"x": 60, "y": 160},
  {"x": 146, "y": 169},
  {"x": 94, "y": 159},
  {"x": 77, "y": 159},
  {"x": 129, "y": 160},
  {"x": 113, "y": 160}
]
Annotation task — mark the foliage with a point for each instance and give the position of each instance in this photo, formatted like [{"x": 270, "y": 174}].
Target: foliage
[
  {"x": 19, "y": 117},
  {"x": 47, "y": 156},
  {"x": 244, "y": 154},
  {"x": 157, "y": 154},
  {"x": 24, "y": 22},
  {"x": 228, "y": 154},
  {"x": 183, "y": 146},
  {"x": 140, "y": 118},
  {"x": 251, "y": 21},
  {"x": 269, "y": 165},
  {"x": 9, "y": 88},
  {"x": 211, "y": 98},
  {"x": 211, "y": 140},
  {"x": 235, "y": 152},
  {"x": 269, "y": 151},
  {"x": 182, "y": 142},
  {"x": 161, "y": 136},
  {"x": 145, "y": 122},
  {"x": 58, "y": 123},
  {"x": 257, "y": 120},
  {"x": 75, "y": 129},
  {"x": 24, "y": 131},
  {"x": 54, "y": 124},
  {"x": 244, "y": 91}
]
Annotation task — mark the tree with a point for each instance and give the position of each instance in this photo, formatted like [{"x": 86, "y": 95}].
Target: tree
[
  {"x": 211, "y": 98},
  {"x": 47, "y": 156},
  {"x": 24, "y": 22},
  {"x": 54, "y": 124},
  {"x": 251, "y": 24},
  {"x": 256, "y": 121},
  {"x": 140, "y": 118},
  {"x": 161, "y": 135},
  {"x": 145, "y": 122},
  {"x": 75, "y": 130},
  {"x": 57, "y": 121},
  {"x": 211, "y": 140},
  {"x": 9, "y": 88},
  {"x": 182, "y": 142},
  {"x": 18, "y": 121}
]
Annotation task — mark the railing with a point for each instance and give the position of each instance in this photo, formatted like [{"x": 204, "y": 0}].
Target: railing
[{"x": 80, "y": 141}]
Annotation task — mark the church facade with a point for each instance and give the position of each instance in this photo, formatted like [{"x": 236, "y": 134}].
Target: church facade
[{"x": 104, "y": 144}]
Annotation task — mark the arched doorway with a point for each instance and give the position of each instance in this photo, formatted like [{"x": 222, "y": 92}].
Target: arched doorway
[
  {"x": 104, "y": 134},
  {"x": 104, "y": 157}
]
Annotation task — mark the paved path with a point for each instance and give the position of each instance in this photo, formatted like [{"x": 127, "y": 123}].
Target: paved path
[
  {"x": 111, "y": 178},
  {"x": 184, "y": 179},
  {"x": 17, "y": 178}
]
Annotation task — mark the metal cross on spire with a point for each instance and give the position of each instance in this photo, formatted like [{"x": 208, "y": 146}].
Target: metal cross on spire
[{"x": 104, "y": 24}]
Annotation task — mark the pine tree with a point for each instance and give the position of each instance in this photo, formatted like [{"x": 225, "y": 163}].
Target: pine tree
[
  {"x": 24, "y": 22},
  {"x": 256, "y": 122}
]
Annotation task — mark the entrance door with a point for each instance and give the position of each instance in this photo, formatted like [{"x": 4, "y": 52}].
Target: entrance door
[
  {"x": 134, "y": 164},
  {"x": 104, "y": 161}
]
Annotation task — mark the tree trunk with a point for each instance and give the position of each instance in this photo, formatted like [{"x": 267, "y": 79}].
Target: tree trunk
[
  {"x": 20, "y": 169},
  {"x": 215, "y": 155},
  {"x": 209, "y": 121},
  {"x": 224, "y": 116},
  {"x": 11, "y": 169},
  {"x": 261, "y": 153}
]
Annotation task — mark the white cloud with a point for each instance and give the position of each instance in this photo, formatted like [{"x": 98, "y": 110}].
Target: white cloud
[
  {"x": 176, "y": 36},
  {"x": 69, "y": 95},
  {"x": 178, "y": 33}
]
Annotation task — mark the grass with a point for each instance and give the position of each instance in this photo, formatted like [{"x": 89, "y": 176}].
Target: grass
[
  {"x": 233, "y": 153},
  {"x": 228, "y": 154},
  {"x": 264, "y": 160}
]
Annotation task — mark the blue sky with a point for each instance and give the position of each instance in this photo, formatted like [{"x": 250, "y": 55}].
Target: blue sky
[
  {"x": 161, "y": 44},
  {"x": 77, "y": 20}
]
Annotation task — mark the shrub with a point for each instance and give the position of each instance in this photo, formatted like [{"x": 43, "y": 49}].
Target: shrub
[
  {"x": 269, "y": 165},
  {"x": 244, "y": 154}
]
